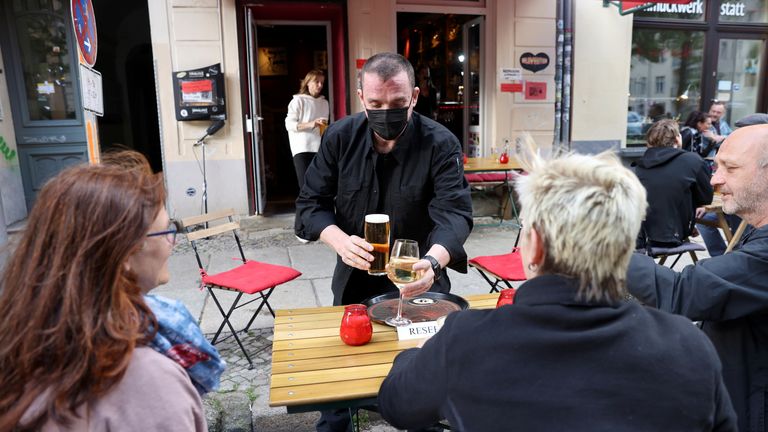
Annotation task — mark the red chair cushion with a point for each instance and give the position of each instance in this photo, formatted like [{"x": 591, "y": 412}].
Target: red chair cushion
[
  {"x": 252, "y": 277},
  {"x": 485, "y": 177},
  {"x": 507, "y": 266}
]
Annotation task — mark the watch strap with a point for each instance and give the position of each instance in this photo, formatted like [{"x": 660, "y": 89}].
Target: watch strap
[{"x": 436, "y": 269}]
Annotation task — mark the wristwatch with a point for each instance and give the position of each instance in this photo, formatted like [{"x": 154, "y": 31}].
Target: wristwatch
[{"x": 436, "y": 269}]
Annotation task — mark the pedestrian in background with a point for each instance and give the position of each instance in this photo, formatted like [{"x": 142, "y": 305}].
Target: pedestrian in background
[{"x": 308, "y": 114}]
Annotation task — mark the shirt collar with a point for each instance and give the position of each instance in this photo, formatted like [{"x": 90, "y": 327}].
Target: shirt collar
[{"x": 554, "y": 289}]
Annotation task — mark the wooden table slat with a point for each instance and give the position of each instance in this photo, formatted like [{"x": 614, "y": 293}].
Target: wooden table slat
[
  {"x": 327, "y": 341},
  {"x": 327, "y": 392},
  {"x": 330, "y": 375},
  {"x": 344, "y": 350},
  {"x": 288, "y": 334},
  {"x": 334, "y": 362}
]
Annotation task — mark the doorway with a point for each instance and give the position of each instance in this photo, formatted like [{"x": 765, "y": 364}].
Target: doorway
[
  {"x": 448, "y": 49},
  {"x": 286, "y": 52},
  {"x": 299, "y": 36}
]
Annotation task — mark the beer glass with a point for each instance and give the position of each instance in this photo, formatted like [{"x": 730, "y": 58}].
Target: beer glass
[
  {"x": 405, "y": 253},
  {"x": 377, "y": 234}
]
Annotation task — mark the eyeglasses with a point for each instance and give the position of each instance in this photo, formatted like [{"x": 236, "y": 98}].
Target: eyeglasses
[{"x": 170, "y": 234}]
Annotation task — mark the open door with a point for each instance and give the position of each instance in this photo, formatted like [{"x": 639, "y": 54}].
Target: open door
[
  {"x": 253, "y": 121},
  {"x": 472, "y": 69}
]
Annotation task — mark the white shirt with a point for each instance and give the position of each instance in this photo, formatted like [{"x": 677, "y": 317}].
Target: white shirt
[{"x": 302, "y": 109}]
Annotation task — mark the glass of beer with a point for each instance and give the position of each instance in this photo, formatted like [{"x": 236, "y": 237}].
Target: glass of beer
[
  {"x": 377, "y": 234},
  {"x": 405, "y": 253}
]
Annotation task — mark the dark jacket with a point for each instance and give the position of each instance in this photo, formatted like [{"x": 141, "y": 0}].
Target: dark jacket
[
  {"x": 676, "y": 182},
  {"x": 550, "y": 362},
  {"x": 694, "y": 141},
  {"x": 729, "y": 293},
  {"x": 427, "y": 198}
]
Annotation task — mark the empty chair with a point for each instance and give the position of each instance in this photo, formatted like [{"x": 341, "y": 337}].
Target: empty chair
[
  {"x": 249, "y": 278},
  {"x": 497, "y": 269}
]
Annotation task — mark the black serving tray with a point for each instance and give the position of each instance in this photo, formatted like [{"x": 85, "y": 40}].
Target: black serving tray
[{"x": 428, "y": 306}]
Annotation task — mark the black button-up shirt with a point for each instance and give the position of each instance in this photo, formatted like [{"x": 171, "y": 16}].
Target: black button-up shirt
[{"x": 426, "y": 196}]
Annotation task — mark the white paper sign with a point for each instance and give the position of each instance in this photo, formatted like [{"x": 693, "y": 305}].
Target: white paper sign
[
  {"x": 90, "y": 88},
  {"x": 510, "y": 74},
  {"x": 419, "y": 330}
]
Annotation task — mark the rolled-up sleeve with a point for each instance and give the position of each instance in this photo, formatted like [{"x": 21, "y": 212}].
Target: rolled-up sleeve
[{"x": 451, "y": 207}]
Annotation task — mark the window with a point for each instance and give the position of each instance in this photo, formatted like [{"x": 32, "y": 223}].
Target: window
[
  {"x": 660, "y": 84},
  {"x": 743, "y": 11}
]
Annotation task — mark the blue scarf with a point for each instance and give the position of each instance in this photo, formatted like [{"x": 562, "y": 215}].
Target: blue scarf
[{"x": 180, "y": 338}]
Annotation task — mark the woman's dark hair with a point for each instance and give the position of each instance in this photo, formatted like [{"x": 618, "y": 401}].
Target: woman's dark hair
[
  {"x": 694, "y": 118},
  {"x": 71, "y": 313}
]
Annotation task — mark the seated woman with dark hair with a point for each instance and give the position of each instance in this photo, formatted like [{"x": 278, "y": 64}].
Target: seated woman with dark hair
[
  {"x": 74, "y": 326},
  {"x": 697, "y": 136},
  {"x": 571, "y": 353}
]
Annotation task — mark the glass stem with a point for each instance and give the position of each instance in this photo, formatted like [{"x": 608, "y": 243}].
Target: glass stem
[{"x": 400, "y": 307}]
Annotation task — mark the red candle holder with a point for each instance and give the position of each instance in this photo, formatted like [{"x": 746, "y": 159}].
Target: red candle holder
[
  {"x": 504, "y": 158},
  {"x": 356, "y": 328},
  {"x": 506, "y": 296}
]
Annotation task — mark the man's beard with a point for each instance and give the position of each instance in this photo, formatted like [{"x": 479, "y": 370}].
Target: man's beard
[{"x": 751, "y": 200}]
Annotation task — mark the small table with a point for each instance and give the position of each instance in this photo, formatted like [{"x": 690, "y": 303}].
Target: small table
[
  {"x": 717, "y": 207},
  {"x": 487, "y": 164},
  {"x": 312, "y": 369}
]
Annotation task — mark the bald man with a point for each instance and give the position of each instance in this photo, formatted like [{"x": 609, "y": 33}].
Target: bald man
[{"x": 728, "y": 293}]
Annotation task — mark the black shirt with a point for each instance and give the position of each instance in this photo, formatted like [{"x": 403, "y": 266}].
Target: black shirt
[{"x": 425, "y": 193}]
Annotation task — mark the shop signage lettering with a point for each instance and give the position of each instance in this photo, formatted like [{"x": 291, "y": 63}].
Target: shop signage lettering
[
  {"x": 732, "y": 9},
  {"x": 695, "y": 7}
]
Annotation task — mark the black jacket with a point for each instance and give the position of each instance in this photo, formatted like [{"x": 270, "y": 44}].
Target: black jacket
[
  {"x": 551, "y": 362},
  {"x": 729, "y": 293},
  {"x": 694, "y": 141},
  {"x": 427, "y": 197},
  {"x": 676, "y": 182}
]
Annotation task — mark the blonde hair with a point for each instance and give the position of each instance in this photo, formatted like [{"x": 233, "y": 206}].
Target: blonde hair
[
  {"x": 304, "y": 86},
  {"x": 587, "y": 210}
]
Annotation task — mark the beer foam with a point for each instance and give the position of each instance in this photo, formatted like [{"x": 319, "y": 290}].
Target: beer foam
[{"x": 377, "y": 218}]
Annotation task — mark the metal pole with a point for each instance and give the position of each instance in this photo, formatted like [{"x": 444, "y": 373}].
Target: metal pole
[
  {"x": 568, "y": 62},
  {"x": 556, "y": 142}
]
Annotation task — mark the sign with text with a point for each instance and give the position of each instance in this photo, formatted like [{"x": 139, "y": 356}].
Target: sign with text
[
  {"x": 91, "y": 90},
  {"x": 513, "y": 87},
  {"x": 420, "y": 330},
  {"x": 510, "y": 74}
]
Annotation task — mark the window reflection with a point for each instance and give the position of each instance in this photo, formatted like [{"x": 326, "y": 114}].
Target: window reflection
[
  {"x": 45, "y": 61},
  {"x": 671, "y": 62}
]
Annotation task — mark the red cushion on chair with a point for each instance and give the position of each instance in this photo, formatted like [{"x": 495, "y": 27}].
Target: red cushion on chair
[
  {"x": 473, "y": 178},
  {"x": 252, "y": 277},
  {"x": 507, "y": 266}
]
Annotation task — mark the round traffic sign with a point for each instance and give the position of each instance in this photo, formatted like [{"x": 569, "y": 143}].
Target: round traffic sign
[{"x": 84, "y": 22}]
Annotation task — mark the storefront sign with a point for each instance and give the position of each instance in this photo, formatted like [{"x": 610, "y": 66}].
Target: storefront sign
[
  {"x": 732, "y": 9},
  {"x": 534, "y": 62},
  {"x": 535, "y": 90},
  {"x": 694, "y": 8},
  {"x": 513, "y": 87}
]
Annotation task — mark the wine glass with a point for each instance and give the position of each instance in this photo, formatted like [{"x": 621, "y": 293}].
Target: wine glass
[{"x": 404, "y": 254}]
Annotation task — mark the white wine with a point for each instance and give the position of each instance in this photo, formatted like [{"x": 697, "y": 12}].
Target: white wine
[{"x": 400, "y": 270}]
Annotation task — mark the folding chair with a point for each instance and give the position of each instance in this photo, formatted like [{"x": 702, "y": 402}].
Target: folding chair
[
  {"x": 251, "y": 277},
  {"x": 502, "y": 268},
  {"x": 663, "y": 253}
]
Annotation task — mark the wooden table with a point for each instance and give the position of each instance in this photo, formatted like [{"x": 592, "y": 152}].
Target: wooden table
[
  {"x": 488, "y": 164},
  {"x": 717, "y": 207},
  {"x": 312, "y": 369}
]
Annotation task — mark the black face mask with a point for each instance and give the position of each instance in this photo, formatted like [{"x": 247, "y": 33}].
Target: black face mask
[{"x": 388, "y": 123}]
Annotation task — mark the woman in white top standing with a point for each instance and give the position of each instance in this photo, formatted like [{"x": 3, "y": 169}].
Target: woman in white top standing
[{"x": 306, "y": 121}]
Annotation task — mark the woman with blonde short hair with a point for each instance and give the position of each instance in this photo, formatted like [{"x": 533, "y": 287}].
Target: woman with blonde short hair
[{"x": 571, "y": 353}]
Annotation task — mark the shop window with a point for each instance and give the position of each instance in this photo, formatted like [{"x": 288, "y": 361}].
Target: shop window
[
  {"x": 672, "y": 60},
  {"x": 737, "y": 76},
  {"x": 743, "y": 11}
]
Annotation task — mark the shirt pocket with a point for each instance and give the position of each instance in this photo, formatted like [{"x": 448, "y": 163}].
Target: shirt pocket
[
  {"x": 348, "y": 199},
  {"x": 412, "y": 204}
]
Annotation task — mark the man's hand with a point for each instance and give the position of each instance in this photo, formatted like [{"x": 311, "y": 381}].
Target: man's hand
[
  {"x": 352, "y": 249},
  {"x": 700, "y": 211},
  {"x": 422, "y": 285}
]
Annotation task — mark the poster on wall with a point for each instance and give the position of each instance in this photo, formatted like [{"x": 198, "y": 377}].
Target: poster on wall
[
  {"x": 534, "y": 62},
  {"x": 535, "y": 90},
  {"x": 273, "y": 61},
  {"x": 199, "y": 94}
]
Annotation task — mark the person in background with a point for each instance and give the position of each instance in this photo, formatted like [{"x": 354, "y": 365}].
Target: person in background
[
  {"x": 697, "y": 136},
  {"x": 676, "y": 182},
  {"x": 571, "y": 353},
  {"x": 74, "y": 325},
  {"x": 308, "y": 114},
  {"x": 727, "y": 293},
  {"x": 393, "y": 161},
  {"x": 720, "y": 128},
  {"x": 426, "y": 104}
]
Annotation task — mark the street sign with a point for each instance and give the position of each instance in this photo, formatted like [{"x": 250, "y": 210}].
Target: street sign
[
  {"x": 84, "y": 22},
  {"x": 90, "y": 88}
]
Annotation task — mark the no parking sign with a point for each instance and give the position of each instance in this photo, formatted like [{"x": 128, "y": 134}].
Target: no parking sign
[{"x": 84, "y": 22}]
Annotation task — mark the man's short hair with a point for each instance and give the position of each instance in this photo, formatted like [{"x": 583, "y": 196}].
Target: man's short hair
[
  {"x": 717, "y": 102},
  {"x": 663, "y": 133},
  {"x": 385, "y": 66},
  {"x": 588, "y": 211}
]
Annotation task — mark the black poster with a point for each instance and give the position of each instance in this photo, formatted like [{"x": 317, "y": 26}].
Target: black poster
[{"x": 199, "y": 94}]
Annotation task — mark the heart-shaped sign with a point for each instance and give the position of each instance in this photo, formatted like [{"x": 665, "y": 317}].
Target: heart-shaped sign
[{"x": 534, "y": 63}]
